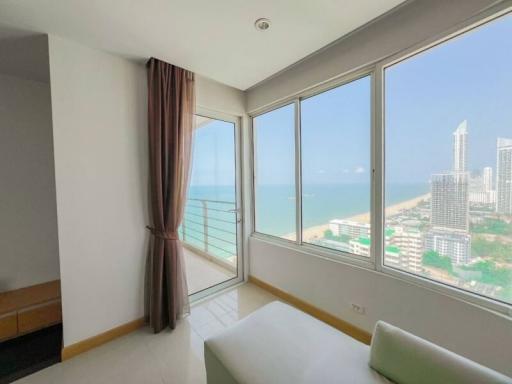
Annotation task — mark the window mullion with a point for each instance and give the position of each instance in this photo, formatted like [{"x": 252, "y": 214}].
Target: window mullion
[
  {"x": 298, "y": 174},
  {"x": 377, "y": 213}
]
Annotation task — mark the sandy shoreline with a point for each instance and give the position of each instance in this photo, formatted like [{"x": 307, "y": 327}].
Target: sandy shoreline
[{"x": 317, "y": 231}]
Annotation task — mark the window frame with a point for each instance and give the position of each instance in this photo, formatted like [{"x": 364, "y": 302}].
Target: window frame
[
  {"x": 352, "y": 77},
  {"x": 472, "y": 24},
  {"x": 298, "y": 244},
  {"x": 252, "y": 135},
  {"x": 375, "y": 263}
]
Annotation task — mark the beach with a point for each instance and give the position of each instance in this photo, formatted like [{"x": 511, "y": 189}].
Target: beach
[{"x": 318, "y": 231}]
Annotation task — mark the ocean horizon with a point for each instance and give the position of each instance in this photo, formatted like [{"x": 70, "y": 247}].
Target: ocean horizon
[{"x": 321, "y": 202}]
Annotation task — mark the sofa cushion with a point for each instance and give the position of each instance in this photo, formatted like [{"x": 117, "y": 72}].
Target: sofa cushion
[
  {"x": 280, "y": 344},
  {"x": 407, "y": 359}
]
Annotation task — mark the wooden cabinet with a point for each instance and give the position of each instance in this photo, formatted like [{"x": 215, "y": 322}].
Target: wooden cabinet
[
  {"x": 8, "y": 325},
  {"x": 40, "y": 316},
  {"x": 29, "y": 309}
]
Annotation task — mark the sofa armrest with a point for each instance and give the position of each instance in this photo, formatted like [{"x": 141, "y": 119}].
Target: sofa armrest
[{"x": 407, "y": 359}]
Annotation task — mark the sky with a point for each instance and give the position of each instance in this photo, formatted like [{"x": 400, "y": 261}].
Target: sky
[
  {"x": 274, "y": 142},
  {"x": 426, "y": 97},
  {"x": 335, "y": 128},
  {"x": 213, "y": 159}
]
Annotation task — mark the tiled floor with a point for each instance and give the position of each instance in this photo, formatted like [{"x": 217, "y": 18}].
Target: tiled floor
[
  {"x": 202, "y": 273},
  {"x": 167, "y": 358}
]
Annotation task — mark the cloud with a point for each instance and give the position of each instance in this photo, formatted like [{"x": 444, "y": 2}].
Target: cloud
[
  {"x": 321, "y": 171},
  {"x": 359, "y": 170}
]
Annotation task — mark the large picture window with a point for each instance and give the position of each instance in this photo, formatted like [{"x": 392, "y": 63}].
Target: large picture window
[
  {"x": 335, "y": 132},
  {"x": 448, "y": 171},
  {"x": 439, "y": 177}
]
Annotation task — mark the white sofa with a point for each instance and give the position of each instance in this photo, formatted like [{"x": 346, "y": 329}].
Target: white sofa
[{"x": 280, "y": 344}]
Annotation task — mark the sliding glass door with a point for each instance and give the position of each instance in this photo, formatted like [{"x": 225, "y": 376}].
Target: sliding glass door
[{"x": 211, "y": 226}]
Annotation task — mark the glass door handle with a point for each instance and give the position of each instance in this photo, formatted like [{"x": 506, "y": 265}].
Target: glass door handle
[{"x": 237, "y": 211}]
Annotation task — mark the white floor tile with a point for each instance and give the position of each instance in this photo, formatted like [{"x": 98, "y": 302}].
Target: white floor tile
[
  {"x": 170, "y": 357},
  {"x": 203, "y": 273}
]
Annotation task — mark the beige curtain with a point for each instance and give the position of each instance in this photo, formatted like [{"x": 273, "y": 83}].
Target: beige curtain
[{"x": 171, "y": 105}]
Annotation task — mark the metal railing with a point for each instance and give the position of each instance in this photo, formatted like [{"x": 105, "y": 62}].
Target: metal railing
[{"x": 210, "y": 226}]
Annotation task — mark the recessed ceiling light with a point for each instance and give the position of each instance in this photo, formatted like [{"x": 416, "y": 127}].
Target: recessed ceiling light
[{"x": 262, "y": 24}]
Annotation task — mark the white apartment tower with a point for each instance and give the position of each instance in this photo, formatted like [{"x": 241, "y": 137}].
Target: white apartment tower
[
  {"x": 456, "y": 246},
  {"x": 450, "y": 190},
  {"x": 481, "y": 191},
  {"x": 504, "y": 176},
  {"x": 487, "y": 179},
  {"x": 450, "y": 201},
  {"x": 460, "y": 145}
]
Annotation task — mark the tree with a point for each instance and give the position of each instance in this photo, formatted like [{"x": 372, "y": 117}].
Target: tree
[
  {"x": 493, "y": 249},
  {"x": 493, "y": 226},
  {"x": 331, "y": 236},
  {"x": 490, "y": 273},
  {"x": 434, "y": 259}
]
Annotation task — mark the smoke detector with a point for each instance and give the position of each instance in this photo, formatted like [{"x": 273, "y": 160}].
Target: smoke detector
[{"x": 262, "y": 24}]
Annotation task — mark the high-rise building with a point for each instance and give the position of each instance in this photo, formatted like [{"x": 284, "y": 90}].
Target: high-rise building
[
  {"x": 487, "y": 179},
  {"x": 481, "y": 188},
  {"x": 450, "y": 201},
  {"x": 504, "y": 176},
  {"x": 488, "y": 198},
  {"x": 460, "y": 146},
  {"x": 450, "y": 190},
  {"x": 455, "y": 245}
]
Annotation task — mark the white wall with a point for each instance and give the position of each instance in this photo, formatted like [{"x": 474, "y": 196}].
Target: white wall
[
  {"x": 476, "y": 333},
  {"x": 219, "y": 97},
  {"x": 100, "y": 133},
  {"x": 99, "y": 126},
  {"x": 29, "y": 252},
  {"x": 462, "y": 327}
]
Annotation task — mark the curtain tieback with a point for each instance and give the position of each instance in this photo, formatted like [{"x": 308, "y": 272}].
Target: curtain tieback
[{"x": 163, "y": 235}]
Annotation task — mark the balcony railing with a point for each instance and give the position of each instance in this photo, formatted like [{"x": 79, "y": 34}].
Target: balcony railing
[{"x": 209, "y": 228}]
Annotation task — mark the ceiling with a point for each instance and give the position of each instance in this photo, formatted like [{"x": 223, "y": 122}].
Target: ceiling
[{"x": 214, "y": 38}]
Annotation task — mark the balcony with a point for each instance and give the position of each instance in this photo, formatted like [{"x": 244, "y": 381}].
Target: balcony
[{"x": 209, "y": 236}]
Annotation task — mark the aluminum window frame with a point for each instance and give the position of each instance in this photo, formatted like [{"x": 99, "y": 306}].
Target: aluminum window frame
[
  {"x": 298, "y": 244},
  {"x": 368, "y": 72},
  {"x": 252, "y": 135}
]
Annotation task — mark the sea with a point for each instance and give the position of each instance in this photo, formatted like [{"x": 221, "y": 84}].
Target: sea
[{"x": 275, "y": 204}]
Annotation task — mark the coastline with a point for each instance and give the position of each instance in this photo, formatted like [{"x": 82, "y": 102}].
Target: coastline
[{"x": 317, "y": 231}]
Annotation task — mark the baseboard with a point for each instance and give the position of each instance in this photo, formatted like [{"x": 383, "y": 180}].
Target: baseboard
[
  {"x": 320, "y": 314},
  {"x": 95, "y": 341}
]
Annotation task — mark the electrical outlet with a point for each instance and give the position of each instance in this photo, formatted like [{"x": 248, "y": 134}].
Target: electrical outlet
[{"x": 358, "y": 309}]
